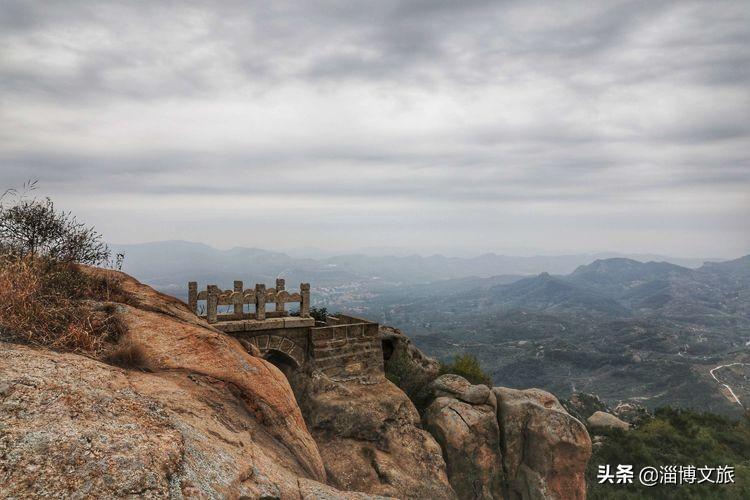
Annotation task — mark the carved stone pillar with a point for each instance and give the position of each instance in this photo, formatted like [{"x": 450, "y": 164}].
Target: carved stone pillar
[
  {"x": 280, "y": 284},
  {"x": 212, "y": 303},
  {"x": 304, "y": 307},
  {"x": 238, "y": 299},
  {"x": 193, "y": 296},
  {"x": 260, "y": 301}
]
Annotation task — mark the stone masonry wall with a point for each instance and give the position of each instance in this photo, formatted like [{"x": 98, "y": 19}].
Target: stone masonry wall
[{"x": 348, "y": 350}]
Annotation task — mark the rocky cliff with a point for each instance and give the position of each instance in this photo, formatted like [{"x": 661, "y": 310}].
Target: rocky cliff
[{"x": 194, "y": 414}]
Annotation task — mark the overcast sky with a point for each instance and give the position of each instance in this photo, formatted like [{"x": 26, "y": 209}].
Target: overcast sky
[{"x": 455, "y": 127}]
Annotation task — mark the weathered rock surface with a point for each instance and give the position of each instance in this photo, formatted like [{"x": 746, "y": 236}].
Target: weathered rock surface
[
  {"x": 455, "y": 386},
  {"x": 208, "y": 420},
  {"x": 396, "y": 344},
  {"x": 202, "y": 417},
  {"x": 370, "y": 438},
  {"x": 545, "y": 449},
  {"x": 603, "y": 420},
  {"x": 582, "y": 405},
  {"x": 469, "y": 437},
  {"x": 74, "y": 427}
]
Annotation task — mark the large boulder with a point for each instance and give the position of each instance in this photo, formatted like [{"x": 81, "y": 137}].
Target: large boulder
[
  {"x": 173, "y": 339},
  {"x": 545, "y": 449},
  {"x": 469, "y": 437},
  {"x": 603, "y": 420},
  {"x": 370, "y": 438}
]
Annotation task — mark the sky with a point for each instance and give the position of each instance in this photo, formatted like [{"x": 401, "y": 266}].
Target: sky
[{"x": 451, "y": 127}]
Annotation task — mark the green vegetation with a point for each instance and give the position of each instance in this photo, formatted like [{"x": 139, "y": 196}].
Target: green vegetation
[
  {"x": 676, "y": 437},
  {"x": 467, "y": 366},
  {"x": 319, "y": 313}
]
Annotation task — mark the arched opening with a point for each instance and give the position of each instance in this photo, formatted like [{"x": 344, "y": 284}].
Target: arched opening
[
  {"x": 387, "y": 349},
  {"x": 282, "y": 361}
]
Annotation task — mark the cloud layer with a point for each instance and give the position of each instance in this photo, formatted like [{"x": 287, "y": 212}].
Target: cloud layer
[{"x": 438, "y": 126}]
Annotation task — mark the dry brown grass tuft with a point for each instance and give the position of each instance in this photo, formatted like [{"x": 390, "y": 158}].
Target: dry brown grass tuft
[
  {"x": 126, "y": 355},
  {"x": 42, "y": 303}
]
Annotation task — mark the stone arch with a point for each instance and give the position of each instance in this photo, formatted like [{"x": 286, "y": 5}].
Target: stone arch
[
  {"x": 270, "y": 345},
  {"x": 283, "y": 361}
]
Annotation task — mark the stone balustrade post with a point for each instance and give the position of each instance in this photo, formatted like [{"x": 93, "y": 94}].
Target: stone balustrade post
[
  {"x": 304, "y": 307},
  {"x": 280, "y": 284},
  {"x": 260, "y": 301},
  {"x": 193, "y": 296},
  {"x": 238, "y": 300},
  {"x": 212, "y": 303}
]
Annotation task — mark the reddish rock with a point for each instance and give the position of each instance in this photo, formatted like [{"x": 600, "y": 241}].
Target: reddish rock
[
  {"x": 72, "y": 426},
  {"x": 370, "y": 438},
  {"x": 455, "y": 386},
  {"x": 207, "y": 420},
  {"x": 546, "y": 450},
  {"x": 469, "y": 437}
]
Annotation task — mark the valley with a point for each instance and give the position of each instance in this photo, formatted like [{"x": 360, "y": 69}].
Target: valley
[{"x": 648, "y": 332}]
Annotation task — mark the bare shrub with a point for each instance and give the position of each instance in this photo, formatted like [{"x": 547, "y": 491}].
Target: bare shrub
[{"x": 31, "y": 226}]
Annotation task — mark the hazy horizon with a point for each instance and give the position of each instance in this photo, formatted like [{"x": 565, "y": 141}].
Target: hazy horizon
[
  {"x": 459, "y": 129},
  {"x": 321, "y": 253}
]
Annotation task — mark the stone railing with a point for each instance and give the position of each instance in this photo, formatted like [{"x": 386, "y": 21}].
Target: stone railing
[{"x": 258, "y": 297}]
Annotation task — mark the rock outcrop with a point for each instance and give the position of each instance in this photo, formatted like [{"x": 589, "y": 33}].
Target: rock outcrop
[
  {"x": 463, "y": 420},
  {"x": 206, "y": 420},
  {"x": 370, "y": 438},
  {"x": 508, "y": 443},
  {"x": 200, "y": 416},
  {"x": 545, "y": 450},
  {"x": 71, "y": 426},
  {"x": 396, "y": 345},
  {"x": 407, "y": 366},
  {"x": 582, "y": 405},
  {"x": 632, "y": 413},
  {"x": 604, "y": 420},
  {"x": 455, "y": 386}
]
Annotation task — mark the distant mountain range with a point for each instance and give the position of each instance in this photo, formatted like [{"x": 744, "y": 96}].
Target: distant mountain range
[
  {"x": 620, "y": 328},
  {"x": 168, "y": 265},
  {"x": 625, "y": 287}
]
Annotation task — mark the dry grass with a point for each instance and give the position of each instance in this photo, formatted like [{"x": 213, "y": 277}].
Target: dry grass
[
  {"x": 127, "y": 355},
  {"x": 43, "y": 303}
]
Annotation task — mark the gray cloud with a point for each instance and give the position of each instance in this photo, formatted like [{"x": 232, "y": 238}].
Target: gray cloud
[{"x": 521, "y": 117}]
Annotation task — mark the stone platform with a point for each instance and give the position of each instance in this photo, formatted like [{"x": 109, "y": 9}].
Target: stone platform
[{"x": 342, "y": 347}]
